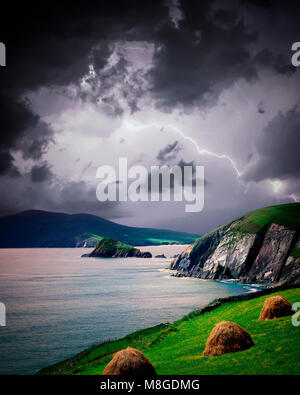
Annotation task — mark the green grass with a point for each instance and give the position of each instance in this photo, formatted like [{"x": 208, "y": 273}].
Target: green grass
[
  {"x": 95, "y": 237},
  {"x": 177, "y": 348},
  {"x": 154, "y": 241},
  {"x": 284, "y": 214},
  {"x": 254, "y": 221},
  {"x": 111, "y": 246}
]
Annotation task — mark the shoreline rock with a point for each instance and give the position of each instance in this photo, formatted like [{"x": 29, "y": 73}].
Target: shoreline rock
[
  {"x": 109, "y": 248},
  {"x": 271, "y": 255}
]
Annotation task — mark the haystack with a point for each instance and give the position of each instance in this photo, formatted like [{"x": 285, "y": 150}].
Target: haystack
[
  {"x": 227, "y": 337},
  {"x": 129, "y": 362},
  {"x": 275, "y": 307}
]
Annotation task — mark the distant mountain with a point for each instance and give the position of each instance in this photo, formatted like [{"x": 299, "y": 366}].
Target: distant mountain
[
  {"x": 35, "y": 228},
  {"x": 260, "y": 246}
]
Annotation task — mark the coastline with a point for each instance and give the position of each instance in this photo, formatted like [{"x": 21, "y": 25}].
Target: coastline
[
  {"x": 163, "y": 296},
  {"x": 86, "y": 301},
  {"x": 159, "y": 333},
  {"x": 169, "y": 250}
]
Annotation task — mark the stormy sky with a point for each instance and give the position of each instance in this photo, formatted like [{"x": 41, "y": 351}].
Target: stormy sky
[{"x": 161, "y": 82}]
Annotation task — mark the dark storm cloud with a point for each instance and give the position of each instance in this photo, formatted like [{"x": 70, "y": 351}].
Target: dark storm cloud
[
  {"x": 36, "y": 141},
  {"x": 278, "y": 62},
  {"x": 100, "y": 54},
  {"x": 278, "y": 27},
  {"x": 208, "y": 52},
  {"x": 271, "y": 4},
  {"x": 79, "y": 197},
  {"x": 259, "y": 3},
  {"x": 211, "y": 50},
  {"x": 169, "y": 152},
  {"x": 278, "y": 149},
  {"x": 193, "y": 63},
  {"x": 53, "y": 46},
  {"x": 6, "y": 164},
  {"x": 20, "y": 130},
  {"x": 15, "y": 119},
  {"x": 41, "y": 173},
  {"x": 50, "y": 46},
  {"x": 72, "y": 197},
  {"x": 261, "y": 108}
]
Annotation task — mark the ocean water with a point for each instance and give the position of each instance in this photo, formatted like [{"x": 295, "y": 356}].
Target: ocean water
[{"x": 58, "y": 304}]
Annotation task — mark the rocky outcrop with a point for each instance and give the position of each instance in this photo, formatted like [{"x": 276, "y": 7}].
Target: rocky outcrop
[
  {"x": 290, "y": 273},
  {"x": 269, "y": 255},
  {"x": 109, "y": 248},
  {"x": 229, "y": 259},
  {"x": 87, "y": 243}
]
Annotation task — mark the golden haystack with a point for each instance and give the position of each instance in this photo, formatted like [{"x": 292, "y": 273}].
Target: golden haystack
[
  {"x": 129, "y": 362},
  {"x": 227, "y": 337},
  {"x": 275, "y": 307}
]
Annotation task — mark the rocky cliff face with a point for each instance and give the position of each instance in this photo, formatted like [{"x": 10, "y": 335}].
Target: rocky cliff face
[{"x": 270, "y": 254}]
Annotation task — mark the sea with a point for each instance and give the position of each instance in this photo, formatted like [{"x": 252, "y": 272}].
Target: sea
[{"x": 58, "y": 303}]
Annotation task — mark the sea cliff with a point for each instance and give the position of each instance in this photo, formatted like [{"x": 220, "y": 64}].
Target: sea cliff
[{"x": 262, "y": 246}]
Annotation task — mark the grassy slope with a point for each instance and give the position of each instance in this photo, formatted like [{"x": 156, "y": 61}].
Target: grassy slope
[
  {"x": 177, "y": 348},
  {"x": 284, "y": 214},
  {"x": 111, "y": 246},
  {"x": 252, "y": 222}
]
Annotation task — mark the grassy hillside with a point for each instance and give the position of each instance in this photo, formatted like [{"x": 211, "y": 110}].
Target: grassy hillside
[
  {"x": 46, "y": 229},
  {"x": 284, "y": 214},
  {"x": 252, "y": 222},
  {"x": 177, "y": 348}
]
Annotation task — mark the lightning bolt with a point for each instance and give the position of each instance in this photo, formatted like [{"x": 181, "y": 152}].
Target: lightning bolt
[
  {"x": 138, "y": 126},
  {"x": 201, "y": 151}
]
